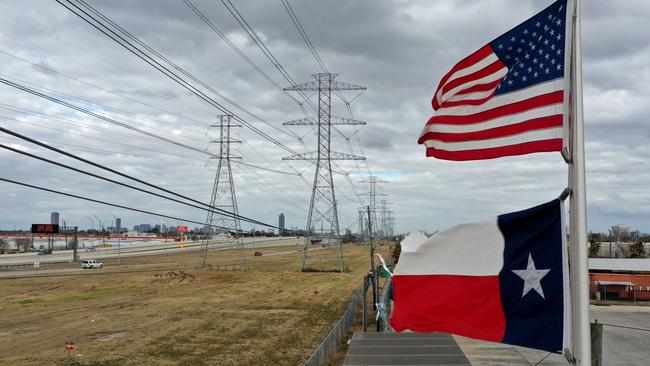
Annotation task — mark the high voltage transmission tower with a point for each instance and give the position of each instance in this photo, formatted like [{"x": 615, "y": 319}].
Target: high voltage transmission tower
[
  {"x": 372, "y": 194},
  {"x": 322, "y": 221},
  {"x": 362, "y": 223},
  {"x": 384, "y": 216},
  {"x": 223, "y": 194},
  {"x": 391, "y": 223}
]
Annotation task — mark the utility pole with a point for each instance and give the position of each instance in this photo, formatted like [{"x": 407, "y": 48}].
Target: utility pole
[
  {"x": 75, "y": 245},
  {"x": 322, "y": 208},
  {"x": 223, "y": 191}
]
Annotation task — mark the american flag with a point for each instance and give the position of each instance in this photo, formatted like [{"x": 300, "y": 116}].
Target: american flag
[{"x": 508, "y": 98}]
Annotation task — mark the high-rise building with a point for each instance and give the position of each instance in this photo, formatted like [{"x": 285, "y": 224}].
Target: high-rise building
[
  {"x": 118, "y": 225},
  {"x": 621, "y": 231},
  {"x": 54, "y": 218},
  {"x": 281, "y": 224}
]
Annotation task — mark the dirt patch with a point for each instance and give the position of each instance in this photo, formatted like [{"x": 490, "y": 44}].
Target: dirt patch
[{"x": 108, "y": 337}]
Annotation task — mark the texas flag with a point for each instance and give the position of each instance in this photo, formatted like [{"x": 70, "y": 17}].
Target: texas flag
[{"x": 502, "y": 280}]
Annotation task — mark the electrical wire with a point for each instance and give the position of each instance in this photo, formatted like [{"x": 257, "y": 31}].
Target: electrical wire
[
  {"x": 54, "y": 71},
  {"x": 103, "y": 28},
  {"x": 303, "y": 34},
  {"x": 98, "y": 138},
  {"x": 84, "y": 103},
  {"x": 85, "y": 172},
  {"x": 97, "y": 115},
  {"x": 237, "y": 50},
  {"x": 265, "y": 50},
  {"x": 221, "y": 211},
  {"x": 106, "y": 203}
]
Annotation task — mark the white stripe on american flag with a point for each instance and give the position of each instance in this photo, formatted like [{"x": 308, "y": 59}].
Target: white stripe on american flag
[
  {"x": 536, "y": 135},
  {"x": 549, "y": 110},
  {"x": 477, "y": 66},
  {"x": 471, "y": 96},
  {"x": 481, "y": 64},
  {"x": 504, "y": 99},
  {"x": 484, "y": 80}
]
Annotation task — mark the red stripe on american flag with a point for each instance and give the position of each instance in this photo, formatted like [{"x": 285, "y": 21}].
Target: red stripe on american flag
[
  {"x": 479, "y": 74},
  {"x": 530, "y": 125},
  {"x": 508, "y": 109},
  {"x": 466, "y": 62},
  {"x": 495, "y": 152}
]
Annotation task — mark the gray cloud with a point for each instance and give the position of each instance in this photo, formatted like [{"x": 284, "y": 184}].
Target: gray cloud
[{"x": 399, "y": 49}]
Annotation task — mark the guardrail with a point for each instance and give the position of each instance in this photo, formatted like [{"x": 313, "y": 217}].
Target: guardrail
[{"x": 331, "y": 343}]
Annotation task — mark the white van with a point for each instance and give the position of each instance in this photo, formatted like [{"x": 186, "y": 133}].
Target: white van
[{"x": 91, "y": 263}]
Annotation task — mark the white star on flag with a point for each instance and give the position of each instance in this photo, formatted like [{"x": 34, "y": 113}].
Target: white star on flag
[{"x": 532, "y": 277}]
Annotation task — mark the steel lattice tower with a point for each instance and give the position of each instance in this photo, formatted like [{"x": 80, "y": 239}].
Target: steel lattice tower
[
  {"x": 362, "y": 225},
  {"x": 391, "y": 223},
  {"x": 223, "y": 194},
  {"x": 384, "y": 214},
  {"x": 372, "y": 194},
  {"x": 322, "y": 221}
]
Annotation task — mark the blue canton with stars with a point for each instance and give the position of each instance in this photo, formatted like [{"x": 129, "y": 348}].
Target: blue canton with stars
[{"x": 534, "y": 50}]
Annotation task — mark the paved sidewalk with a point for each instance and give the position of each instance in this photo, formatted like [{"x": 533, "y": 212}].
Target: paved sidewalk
[{"x": 436, "y": 349}]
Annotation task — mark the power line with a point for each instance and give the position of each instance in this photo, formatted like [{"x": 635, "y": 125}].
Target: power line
[
  {"x": 96, "y": 115},
  {"x": 303, "y": 34},
  {"x": 20, "y": 110},
  {"x": 31, "y": 112},
  {"x": 99, "y": 139},
  {"x": 90, "y": 104},
  {"x": 49, "y": 69},
  {"x": 339, "y": 93},
  {"x": 265, "y": 50},
  {"x": 23, "y": 137},
  {"x": 216, "y": 30},
  {"x": 103, "y": 202},
  {"x": 85, "y": 172},
  {"x": 103, "y": 28},
  {"x": 263, "y": 168}
]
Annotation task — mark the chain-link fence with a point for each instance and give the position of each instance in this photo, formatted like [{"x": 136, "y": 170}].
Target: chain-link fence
[{"x": 331, "y": 343}]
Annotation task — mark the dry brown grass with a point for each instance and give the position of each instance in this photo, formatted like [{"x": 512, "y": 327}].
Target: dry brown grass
[{"x": 269, "y": 315}]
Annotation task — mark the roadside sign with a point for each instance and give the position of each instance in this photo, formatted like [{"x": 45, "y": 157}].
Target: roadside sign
[
  {"x": 37, "y": 264},
  {"x": 69, "y": 346},
  {"x": 45, "y": 229}
]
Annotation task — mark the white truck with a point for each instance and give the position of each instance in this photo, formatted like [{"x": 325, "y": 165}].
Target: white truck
[{"x": 91, "y": 263}]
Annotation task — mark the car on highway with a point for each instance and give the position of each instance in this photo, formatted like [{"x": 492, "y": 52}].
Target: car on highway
[
  {"x": 44, "y": 251},
  {"x": 91, "y": 263},
  {"x": 91, "y": 249}
]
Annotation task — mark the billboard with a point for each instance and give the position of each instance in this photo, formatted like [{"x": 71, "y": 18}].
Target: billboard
[
  {"x": 182, "y": 229},
  {"x": 45, "y": 229}
]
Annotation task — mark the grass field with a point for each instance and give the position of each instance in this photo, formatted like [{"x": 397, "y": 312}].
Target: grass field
[{"x": 269, "y": 315}]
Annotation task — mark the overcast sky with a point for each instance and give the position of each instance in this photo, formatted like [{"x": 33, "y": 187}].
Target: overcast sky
[{"x": 398, "y": 49}]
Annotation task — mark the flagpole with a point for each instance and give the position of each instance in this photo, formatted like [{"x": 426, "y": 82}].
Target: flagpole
[{"x": 578, "y": 209}]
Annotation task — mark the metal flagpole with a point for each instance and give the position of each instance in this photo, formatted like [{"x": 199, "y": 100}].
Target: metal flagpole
[{"x": 578, "y": 209}]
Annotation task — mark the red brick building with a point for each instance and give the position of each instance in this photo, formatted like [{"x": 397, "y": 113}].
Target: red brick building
[{"x": 619, "y": 278}]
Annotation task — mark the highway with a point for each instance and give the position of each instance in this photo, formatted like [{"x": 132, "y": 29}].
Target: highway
[{"x": 140, "y": 250}]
